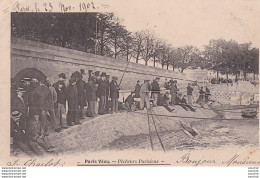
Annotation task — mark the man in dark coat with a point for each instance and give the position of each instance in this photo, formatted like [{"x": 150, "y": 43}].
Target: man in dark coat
[
  {"x": 60, "y": 108},
  {"x": 36, "y": 135},
  {"x": 189, "y": 93},
  {"x": 43, "y": 93},
  {"x": 114, "y": 94},
  {"x": 73, "y": 107},
  {"x": 155, "y": 90},
  {"x": 18, "y": 135},
  {"x": 101, "y": 93},
  {"x": 18, "y": 104},
  {"x": 107, "y": 92},
  {"x": 91, "y": 97},
  {"x": 137, "y": 89},
  {"x": 81, "y": 86},
  {"x": 173, "y": 92},
  {"x": 62, "y": 78}
]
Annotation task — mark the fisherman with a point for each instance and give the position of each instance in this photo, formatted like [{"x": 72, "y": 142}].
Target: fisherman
[
  {"x": 44, "y": 96},
  {"x": 81, "y": 87},
  {"x": 189, "y": 93},
  {"x": 137, "y": 89},
  {"x": 207, "y": 94},
  {"x": 173, "y": 91},
  {"x": 73, "y": 107},
  {"x": 52, "y": 119},
  {"x": 144, "y": 94},
  {"x": 101, "y": 93},
  {"x": 164, "y": 100},
  {"x": 107, "y": 92},
  {"x": 61, "y": 105},
  {"x": 114, "y": 94},
  {"x": 155, "y": 91},
  {"x": 18, "y": 135},
  {"x": 129, "y": 102},
  {"x": 36, "y": 134},
  {"x": 181, "y": 101},
  {"x": 91, "y": 97}
]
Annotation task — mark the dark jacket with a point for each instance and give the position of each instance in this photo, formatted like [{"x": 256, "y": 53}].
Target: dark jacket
[
  {"x": 137, "y": 91},
  {"x": 91, "y": 92},
  {"x": 61, "y": 95},
  {"x": 34, "y": 129},
  {"x": 19, "y": 105},
  {"x": 81, "y": 86},
  {"x": 189, "y": 90},
  {"x": 101, "y": 91},
  {"x": 45, "y": 97},
  {"x": 114, "y": 90},
  {"x": 72, "y": 93},
  {"x": 107, "y": 87},
  {"x": 155, "y": 87},
  {"x": 17, "y": 133},
  {"x": 173, "y": 89},
  {"x": 129, "y": 99}
]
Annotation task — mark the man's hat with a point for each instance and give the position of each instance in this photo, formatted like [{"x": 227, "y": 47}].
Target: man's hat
[
  {"x": 157, "y": 78},
  {"x": 132, "y": 92},
  {"x": 20, "y": 89},
  {"x": 62, "y": 75},
  {"x": 146, "y": 80},
  {"x": 138, "y": 80},
  {"x": 114, "y": 78},
  {"x": 16, "y": 114},
  {"x": 97, "y": 73},
  {"x": 26, "y": 79},
  {"x": 103, "y": 74}
]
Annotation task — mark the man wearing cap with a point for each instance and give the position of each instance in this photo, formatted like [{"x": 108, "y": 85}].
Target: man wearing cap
[
  {"x": 91, "y": 97},
  {"x": 101, "y": 93},
  {"x": 81, "y": 86},
  {"x": 73, "y": 107},
  {"x": 18, "y": 104},
  {"x": 18, "y": 134},
  {"x": 144, "y": 94},
  {"x": 43, "y": 93},
  {"x": 36, "y": 135},
  {"x": 61, "y": 105},
  {"x": 114, "y": 94},
  {"x": 173, "y": 91},
  {"x": 155, "y": 90}
]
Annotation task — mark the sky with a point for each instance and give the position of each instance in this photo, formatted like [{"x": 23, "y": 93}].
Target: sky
[{"x": 192, "y": 22}]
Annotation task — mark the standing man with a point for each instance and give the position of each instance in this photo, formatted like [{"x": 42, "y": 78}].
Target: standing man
[
  {"x": 173, "y": 92},
  {"x": 189, "y": 94},
  {"x": 60, "y": 106},
  {"x": 144, "y": 94},
  {"x": 73, "y": 107},
  {"x": 81, "y": 86},
  {"x": 43, "y": 93},
  {"x": 137, "y": 89},
  {"x": 18, "y": 104},
  {"x": 53, "y": 119},
  {"x": 114, "y": 94},
  {"x": 91, "y": 97},
  {"x": 101, "y": 93},
  {"x": 155, "y": 90},
  {"x": 107, "y": 92}
]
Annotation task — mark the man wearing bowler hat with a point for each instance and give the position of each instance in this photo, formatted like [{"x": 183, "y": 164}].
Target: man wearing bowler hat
[
  {"x": 114, "y": 94},
  {"x": 101, "y": 93},
  {"x": 18, "y": 104},
  {"x": 18, "y": 135}
]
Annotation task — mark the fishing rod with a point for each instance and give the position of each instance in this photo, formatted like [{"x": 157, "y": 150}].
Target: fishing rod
[{"x": 124, "y": 73}]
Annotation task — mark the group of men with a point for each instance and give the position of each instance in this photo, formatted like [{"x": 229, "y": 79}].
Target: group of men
[{"x": 34, "y": 102}]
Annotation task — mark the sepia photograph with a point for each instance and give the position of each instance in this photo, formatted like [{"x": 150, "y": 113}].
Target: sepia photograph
[{"x": 168, "y": 78}]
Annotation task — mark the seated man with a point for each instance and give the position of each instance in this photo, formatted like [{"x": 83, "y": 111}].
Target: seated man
[
  {"x": 36, "y": 135},
  {"x": 129, "y": 102},
  {"x": 183, "y": 102},
  {"x": 18, "y": 136},
  {"x": 164, "y": 100}
]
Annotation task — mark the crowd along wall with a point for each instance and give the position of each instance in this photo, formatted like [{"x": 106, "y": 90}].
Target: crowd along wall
[{"x": 52, "y": 60}]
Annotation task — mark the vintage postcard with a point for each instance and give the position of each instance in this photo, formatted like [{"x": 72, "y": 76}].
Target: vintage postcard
[{"x": 130, "y": 83}]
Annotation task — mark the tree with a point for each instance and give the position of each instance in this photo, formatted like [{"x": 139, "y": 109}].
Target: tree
[{"x": 138, "y": 40}]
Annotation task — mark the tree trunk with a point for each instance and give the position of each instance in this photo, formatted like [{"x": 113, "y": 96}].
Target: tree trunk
[
  {"x": 154, "y": 61},
  {"x": 254, "y": 75},
  {"x": 167, "y": 66},
  {"x": 217, "y": 74},
  {"x": 146, "y": 62}
]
